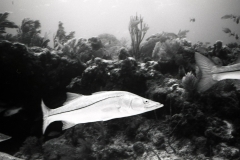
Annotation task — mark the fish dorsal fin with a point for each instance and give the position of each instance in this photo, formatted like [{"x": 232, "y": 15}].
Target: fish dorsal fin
[
  {"x": 99, "y": 92},
  {"x": 67, "y": 125},
  {"x": 71, "y": 97}
]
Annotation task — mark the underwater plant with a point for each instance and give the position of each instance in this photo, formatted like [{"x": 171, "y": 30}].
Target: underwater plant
[
  {"x": 4, "y": 23},
  {"x": 74, "y": 48},
  {"x": 137, "y": 33},
  {"x": 60, "y": 38},
  {"x": 112, "y": 45},
  {"x": 27, "y": 30},
  {"x": 182, "y": 34},
  {"x": 108, "y": 40},
  {"x": 167, "y": 50},
  {"x": 8, "y": 37},
  {"x": 29, "y": 34},
  {"x": 189, "y": 82},
  {"x": 40, "y": 41}
]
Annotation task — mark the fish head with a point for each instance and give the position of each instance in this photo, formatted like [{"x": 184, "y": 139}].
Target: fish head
[{"x": 136, "y": 104}]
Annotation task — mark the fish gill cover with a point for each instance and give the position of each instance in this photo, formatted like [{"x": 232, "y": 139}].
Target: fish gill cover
[{"x": 161, "y": 67}]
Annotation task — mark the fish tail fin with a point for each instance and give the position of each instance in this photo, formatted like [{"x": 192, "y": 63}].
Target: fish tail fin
[
  {"x": 46, "y": 120},
  {"x": 205, "y": 65}
]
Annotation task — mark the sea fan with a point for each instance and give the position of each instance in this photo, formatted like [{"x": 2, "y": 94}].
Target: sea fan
[
  {"x": 4, "y": 23},
  {"x": 182, "y": 34},
  {"x": 61, "y": 38},
  {"x": 189, "y": 82},
  {"x": 137, "y": 30}
]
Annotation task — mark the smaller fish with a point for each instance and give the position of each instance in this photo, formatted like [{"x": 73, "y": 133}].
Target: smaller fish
[
  {"x": 12, "y": 111},
  {"x": 5, "y": 156},
  {"x": 192, "y": 19},
  {"x": 226, "y": 30},
  {"x": 236, "y": 36},
  {"x": 236, "y": 19},
  {"x": 227, "y": 16},
  {"x": 4, "y": 137},
  {"x": 232, "y": 34}
]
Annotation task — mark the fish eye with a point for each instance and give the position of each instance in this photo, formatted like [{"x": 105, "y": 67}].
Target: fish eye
[{"x": 145, "y": 101}]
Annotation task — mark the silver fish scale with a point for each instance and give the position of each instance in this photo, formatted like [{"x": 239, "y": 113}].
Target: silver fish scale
[{"x": 85, "y": 101}]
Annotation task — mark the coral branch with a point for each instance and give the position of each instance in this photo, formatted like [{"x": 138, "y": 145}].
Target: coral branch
[{"x": 137, "y": 33}]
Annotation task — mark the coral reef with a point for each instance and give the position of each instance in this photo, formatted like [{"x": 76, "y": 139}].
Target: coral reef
[
  {"x": 147, "y": 47},
  {"x": 84, "y": 50},
  {"x": 189, "y": 126},
  {"x": 29, "y": 75}
]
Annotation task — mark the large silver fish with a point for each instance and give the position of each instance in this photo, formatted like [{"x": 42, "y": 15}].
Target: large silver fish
[
  {"x": 211, "y": 74},
  {"x": 100, "y": 106}
]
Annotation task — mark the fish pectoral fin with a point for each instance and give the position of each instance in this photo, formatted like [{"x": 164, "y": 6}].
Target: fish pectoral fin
[
  {"x": 109, "y": 113},
  {"x": 67, "y": 125},
  {"x": 110, "y": 109}
]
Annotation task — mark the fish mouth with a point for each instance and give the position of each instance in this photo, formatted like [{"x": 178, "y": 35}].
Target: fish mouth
[{"x": 154, "y": 106}]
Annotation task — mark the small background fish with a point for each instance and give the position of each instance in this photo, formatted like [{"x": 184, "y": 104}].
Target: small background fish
[
  {"x": 12, "y": 111},
  {"x": 4, "y": 137},
  {"x": 5, "y": 156}
]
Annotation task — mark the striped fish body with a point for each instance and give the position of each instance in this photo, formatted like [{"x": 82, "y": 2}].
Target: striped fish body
[{"x": 100, "y": 106}]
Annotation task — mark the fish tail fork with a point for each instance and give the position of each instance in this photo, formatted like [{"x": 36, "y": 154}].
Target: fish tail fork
[
  {"x": 45, "y": 111},
  {"x": 205, "y": 65}
]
